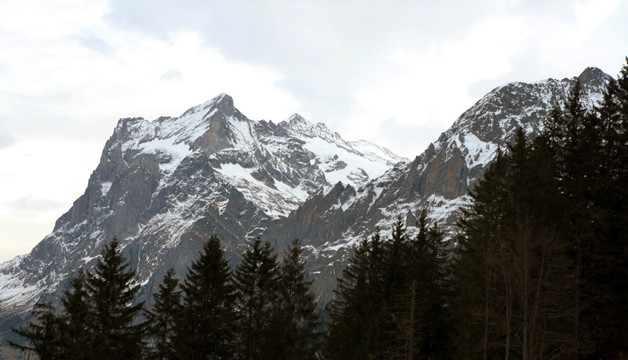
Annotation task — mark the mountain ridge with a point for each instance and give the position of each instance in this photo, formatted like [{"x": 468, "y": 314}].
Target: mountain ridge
[
  {"x": 164, "y": 186},
  {"x": 438, "y": 179}
]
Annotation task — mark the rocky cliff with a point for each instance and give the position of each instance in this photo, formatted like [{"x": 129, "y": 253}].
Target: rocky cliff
[
  {"x": 163, "y": 186},
  {"x": 331, "y": 222}
]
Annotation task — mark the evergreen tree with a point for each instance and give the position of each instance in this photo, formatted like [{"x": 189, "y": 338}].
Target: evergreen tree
[
  {"x": 206, "y": 328},
  {"x": 604, "y": 207},
  {"x": 257, "y": 292},
  {"x": 42, "y": 334},
  {"x": 368, "y": 317},
  {"x": 513, "y": 278},
  {"x": 75, "y": 328},
  {"x": 97, "y": 320},
  {"x": 592, "y": 172},
  {"x": 475, "y": 268},
  {"x": 391, "y": 302},
  {"x": 430, "y": 284},
  {"x": 116, "y": 332},
  {"x": 295, "y": 319},
  {"x": 354, "y": 330},
  {"x": 395, "y": 305},
  {"x": 162, "y": 318}
]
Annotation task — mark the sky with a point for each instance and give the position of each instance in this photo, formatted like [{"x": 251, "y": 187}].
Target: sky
[{"x": 397, "y": 73}]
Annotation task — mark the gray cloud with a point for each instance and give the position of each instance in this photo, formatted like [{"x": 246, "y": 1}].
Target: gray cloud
[
  {"x": 29, "y": 203},
  {"x": 94, "y": 43},
  {"x": 7, "y": 141},
  {"x": 410, "y": 139},
  {"x": 322, "y": 50},
  {"x": 171, "y": 75},
  {"x": 326, "y": 51}
]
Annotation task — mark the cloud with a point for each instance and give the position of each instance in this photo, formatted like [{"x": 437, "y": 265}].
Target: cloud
[
  {"x": 94, "y": 42},
  {"x": 7, "y": 141},
  {"x": 397, "y": 73},
  {"x": 171, "y": 75},
  {"x": 32, "y": 203},
  {"x": 322, "y": 51},
  {"x": 19, "y": 236},
  {"x": 407, "y": 139},
  {"x": 342, "y": 60}
]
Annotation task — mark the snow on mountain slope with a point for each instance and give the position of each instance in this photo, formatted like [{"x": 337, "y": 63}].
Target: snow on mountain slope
[
  {"x": 330, "y": 223},
  {"x": 164, "y": 186},
  {"x": 351, "y": 163}
]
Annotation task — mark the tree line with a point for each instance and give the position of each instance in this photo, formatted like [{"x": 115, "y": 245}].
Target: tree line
[
  {"x": 538, "y": 269},
  {"x": 541, "y": 266},
  {"x": 391, "y": 302},
  {"x": 262, "y": 310}
]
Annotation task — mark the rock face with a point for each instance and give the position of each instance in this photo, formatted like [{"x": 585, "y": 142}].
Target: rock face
[
  {"x": 331, "y": 222},
  {"x": 164, "y": 186}
]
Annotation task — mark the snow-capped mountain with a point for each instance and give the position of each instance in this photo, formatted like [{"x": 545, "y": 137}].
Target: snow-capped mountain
[
  {"x": 329, "y": 223},
  {"x": 164, "y": 186}
]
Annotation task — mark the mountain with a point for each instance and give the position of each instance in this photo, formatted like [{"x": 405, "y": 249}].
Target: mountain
[
  {"x": 164, "y": 186},
  {"x": 331, "y": 222}
]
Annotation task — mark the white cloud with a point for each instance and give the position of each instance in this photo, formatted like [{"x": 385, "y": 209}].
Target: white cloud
[
  {"x": 36, "y": 20},
  {"x": 417, "y": 90},
  {"x": 65, "y": 85},
  {"x": 70, "y": 68},
  {"x": 41, "y": 177}
]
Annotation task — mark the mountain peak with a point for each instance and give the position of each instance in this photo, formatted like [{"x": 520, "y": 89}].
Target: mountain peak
[
  {"x": 594, "y": 76},
  {"x": 297, "y": 119},
  {"x": 224, "y": 103}
]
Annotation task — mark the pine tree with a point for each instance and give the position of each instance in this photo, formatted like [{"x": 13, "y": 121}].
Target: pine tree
[
  {"x": 206, "y": 328},
  {"x": 257, "y": 291},
  {"x": 430, "y": 280},
  {"x": 592, "y": 172},
  {"x": 395, "y": 281},
  {"x": 296, "y": 318},
  {"x": 115, "y": 328},
  {"x": 355, "y": 308},
  {"x": 74, "y": 325},
  {"x": 515, "y": 290},
  {"x": 42, "y": 334},
  {"x": 162, "y": 318},
  {"x": 475, "y": 268},
  {"x": 598, "y": 197}
]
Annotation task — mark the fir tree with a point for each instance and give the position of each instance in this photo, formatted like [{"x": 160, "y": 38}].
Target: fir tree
[
  {"x": 592, "y": 172},
  {"x": 395, "y": 303},
  {"x": 42, "y": 334},
  {"x": 430, "y": 280},
  {"x": 116, "y": 331},
  {"x": 162, "y": 318},
  {"x": 257, "y": 292},
  {"x": 360, "y": 319},
  {"x": 605, "y": 208},
  {"x": 515, "y": 290},
  {"x": 297, "y": 321},
  {"x": 74, "y": 320},
  {"x": 206, "y": 328}
]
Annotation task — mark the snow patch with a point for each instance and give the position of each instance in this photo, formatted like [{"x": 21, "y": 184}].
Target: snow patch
[
  {"x": 87, "y": 259},
  {"x": 276, "y": 202},
  {"x": 105, "y": 186},
  {"x": 479, "y": 152},
  {"x": 174, "y": 152}
]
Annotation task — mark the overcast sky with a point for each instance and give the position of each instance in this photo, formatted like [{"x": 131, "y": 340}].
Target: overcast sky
[{"x": 397, "y": 73}]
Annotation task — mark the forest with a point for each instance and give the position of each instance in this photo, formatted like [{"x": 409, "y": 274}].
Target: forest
[{"x": 537, "y": 269}]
